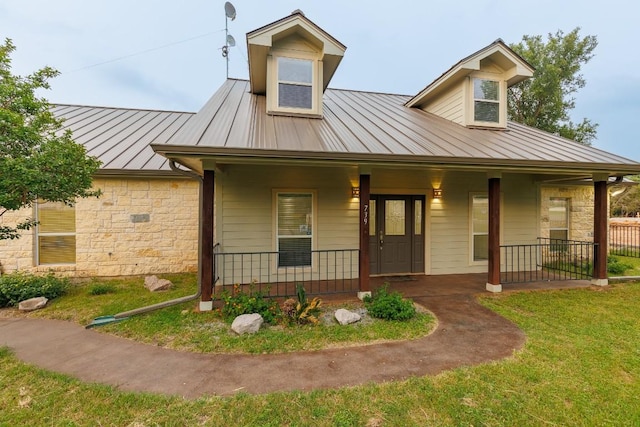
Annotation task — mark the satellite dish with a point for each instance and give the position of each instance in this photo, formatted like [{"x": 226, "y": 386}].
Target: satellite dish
[
  {"x": 230, "y": 40},
  {"x": 230, "y": 11}
]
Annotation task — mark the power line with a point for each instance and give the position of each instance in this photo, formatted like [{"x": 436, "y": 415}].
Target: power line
[{"x": 120, "y": 58}]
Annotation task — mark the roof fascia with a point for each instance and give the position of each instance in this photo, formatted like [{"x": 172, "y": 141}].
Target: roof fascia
[
  {"x": 517, "y": 70},
  {"x": 260, "y": 41}
]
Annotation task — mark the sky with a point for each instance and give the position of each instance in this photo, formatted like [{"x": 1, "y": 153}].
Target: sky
[{"x": 166, "y": 55}]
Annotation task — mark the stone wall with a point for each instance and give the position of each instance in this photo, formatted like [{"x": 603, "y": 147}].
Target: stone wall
[
  {"x": 137, "y": 226},
  {"x": 580, "y": 210}
]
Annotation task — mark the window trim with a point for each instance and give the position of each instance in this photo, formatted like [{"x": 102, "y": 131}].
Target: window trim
[
  {"x": 38, "y": 234},
  {"x": 314, "y": 224},
  {"x": 273, "y": 90}
]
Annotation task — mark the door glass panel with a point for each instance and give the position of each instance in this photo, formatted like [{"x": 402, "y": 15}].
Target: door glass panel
[
  {"x": 372, "y": 218},
  {"x": 418, "y": 217},
  {"x": 394, "y": 218}
]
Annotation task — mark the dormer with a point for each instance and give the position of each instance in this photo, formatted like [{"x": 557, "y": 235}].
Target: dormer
[
  {"x": 473, "y": 93},
  {"x": 291, "y": 62}
]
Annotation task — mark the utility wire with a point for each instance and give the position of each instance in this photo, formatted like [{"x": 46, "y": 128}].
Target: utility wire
[{"x": 143, "y": 52}]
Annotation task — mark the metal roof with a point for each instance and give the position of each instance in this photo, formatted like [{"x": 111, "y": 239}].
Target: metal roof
[
  {"x": 120, "y": 137},
  {"x": 363, "y": 127}
]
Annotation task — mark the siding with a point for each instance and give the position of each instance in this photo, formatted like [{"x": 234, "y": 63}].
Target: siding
[{"x": 449, "y": 106}]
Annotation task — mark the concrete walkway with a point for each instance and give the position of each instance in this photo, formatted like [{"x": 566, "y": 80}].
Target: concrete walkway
[{"x": 467, "y": 334}]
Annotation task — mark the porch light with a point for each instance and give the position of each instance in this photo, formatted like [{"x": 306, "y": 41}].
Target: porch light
[
  {"x": 437, "y": 193},
  {"x": 355, "y": 192}
]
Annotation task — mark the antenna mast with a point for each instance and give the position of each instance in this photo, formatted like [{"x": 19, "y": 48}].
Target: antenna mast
[{"x": 229, "y": 41}]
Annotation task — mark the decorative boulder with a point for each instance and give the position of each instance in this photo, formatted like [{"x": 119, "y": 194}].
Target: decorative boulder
[
  {"x": 345, "y": 317},
  {"x": 247, "y": 323},
  {"x": 154, "y": 284},
  {"x": 32, "y": 304}
]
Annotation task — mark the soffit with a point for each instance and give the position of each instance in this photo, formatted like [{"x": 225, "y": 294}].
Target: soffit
[
  {"x": 260, "y": 41},
  {"x": 515, "y": 68}
]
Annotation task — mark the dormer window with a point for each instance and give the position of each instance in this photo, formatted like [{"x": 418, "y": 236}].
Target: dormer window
[
  {"x": 295, "y": 83},
  {"x": 486, "y": 100}
]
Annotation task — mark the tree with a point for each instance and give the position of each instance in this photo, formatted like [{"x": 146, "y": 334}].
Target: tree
[
  {"x": 627, "y": 203},
  {"x": 38, "y": 158},
  {"x": 545, "y": 101}
]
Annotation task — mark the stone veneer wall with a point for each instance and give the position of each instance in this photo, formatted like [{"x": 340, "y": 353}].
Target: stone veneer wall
[
  {"x": 137, "y": 226},
  {"x": 580, "y": 210}
]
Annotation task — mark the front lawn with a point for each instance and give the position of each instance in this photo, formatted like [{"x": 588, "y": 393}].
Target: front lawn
[
  {"x": 181, "y": 327},
  {"x": 580, "y": 367}
]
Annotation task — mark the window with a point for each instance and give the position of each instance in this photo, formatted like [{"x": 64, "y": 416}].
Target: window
[
  {"x": 480, "y": 227},
  {"x": 558, "y": 218},
  {"x": 55, "y": 233},
  {"x": 295, "y": 83},
  {"x": 486, "y": 100},
  {"x": 294, "y": 229}
]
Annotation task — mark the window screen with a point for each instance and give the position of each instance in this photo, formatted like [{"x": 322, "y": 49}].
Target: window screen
[{"x": 480, "y": 227}]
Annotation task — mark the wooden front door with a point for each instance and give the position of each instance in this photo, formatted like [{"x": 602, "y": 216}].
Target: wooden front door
[{"x": 397, "y": 234}]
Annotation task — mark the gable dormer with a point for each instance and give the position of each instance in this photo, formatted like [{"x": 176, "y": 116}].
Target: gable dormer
[
  {"x": 291, "y": 62},
  {"x": 473, "y": 92}
]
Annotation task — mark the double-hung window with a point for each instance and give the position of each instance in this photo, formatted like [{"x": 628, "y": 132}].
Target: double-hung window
[
  {"x": 480, "y": 227},
  {"x": 295, "y": 83},
  {"x": 294, "y": 229},
  {"x": 558, "y": 220},
  {"x": 486, "y": 100},
  {"x": 55, "y": 233}
]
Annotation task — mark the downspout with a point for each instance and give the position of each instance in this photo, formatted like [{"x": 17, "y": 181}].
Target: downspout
[{"x": 103, "y": 320}]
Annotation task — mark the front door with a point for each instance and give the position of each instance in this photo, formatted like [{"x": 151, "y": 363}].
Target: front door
[{"x": 397, "y": 238}]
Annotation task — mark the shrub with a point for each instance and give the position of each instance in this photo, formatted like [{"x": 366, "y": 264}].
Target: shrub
[
  {"x": 389, "y": 306},
  {"x": 302, "y": 311},
  {"x": 616, "y": 266},
  {"x": 239, "y": 302},
  {"x": 18, "y": 287},
  {"x": 101, "y": 289}
]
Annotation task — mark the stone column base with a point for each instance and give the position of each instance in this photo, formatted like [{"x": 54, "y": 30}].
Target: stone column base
[
  {"x": 600, "y": 282},
  {"x": 206, "y": 306},
  {"x": 494, "y": 288}
]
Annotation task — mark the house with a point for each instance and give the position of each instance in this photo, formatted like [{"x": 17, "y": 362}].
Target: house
[
  {"x": 299, "y": 182},
  {"x": 144, "y": 222}
]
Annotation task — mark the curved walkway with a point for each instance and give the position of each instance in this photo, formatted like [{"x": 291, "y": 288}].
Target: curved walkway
[{"x": 467, "y": 334}]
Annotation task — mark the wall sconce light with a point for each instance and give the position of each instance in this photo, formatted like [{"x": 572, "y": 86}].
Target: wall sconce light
[
  {"x": 437, "y": 193},
  {"x": 355, "y": 192}
]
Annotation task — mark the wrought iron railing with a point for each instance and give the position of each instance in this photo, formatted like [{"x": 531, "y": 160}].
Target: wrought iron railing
[
  {"x": 624, "y": 240},
  {"x": 320, "y": 271},
  {"x": 546, "y": 260}
]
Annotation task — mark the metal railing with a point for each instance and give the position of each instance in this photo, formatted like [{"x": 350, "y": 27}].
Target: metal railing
[
  {"x": 270, "y": 273},
  {"x": 546, "y": 260},
  {"x": 624, "y": 240}
]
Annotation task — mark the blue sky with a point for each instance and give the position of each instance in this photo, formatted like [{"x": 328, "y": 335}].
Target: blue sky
[{"x": 166, "y": 54}]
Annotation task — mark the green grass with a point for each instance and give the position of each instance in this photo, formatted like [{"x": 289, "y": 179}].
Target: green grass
[
  {"x": 181, "y": 327},
  {"x": 580, "y": 367},
  {"x": 633, "y": 262}
]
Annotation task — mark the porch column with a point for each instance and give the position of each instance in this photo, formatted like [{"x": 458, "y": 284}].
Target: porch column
[
  {"x": 206, "y": 240},
  {"x": 600, "y": 230},
  {"x": 493, "y": 280},
  {"x": 365, "y": 217}
]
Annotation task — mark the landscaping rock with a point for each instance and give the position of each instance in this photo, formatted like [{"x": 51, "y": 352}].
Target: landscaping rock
[
  {"x": 247, "y": 323},
  {"x": 346, "y": 317},
  {"x": 154, "y": 284},
  {"x": 32, "y": 304}
]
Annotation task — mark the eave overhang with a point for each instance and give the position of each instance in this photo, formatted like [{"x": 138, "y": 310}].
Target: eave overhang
[
  {"x": 200, "y": 158},
  {"x": 516, "y": 70},
  {"x": 260, "y": 41}
]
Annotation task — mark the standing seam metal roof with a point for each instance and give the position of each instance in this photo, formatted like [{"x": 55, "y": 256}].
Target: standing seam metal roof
[{"x": 370, "y": 123}]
